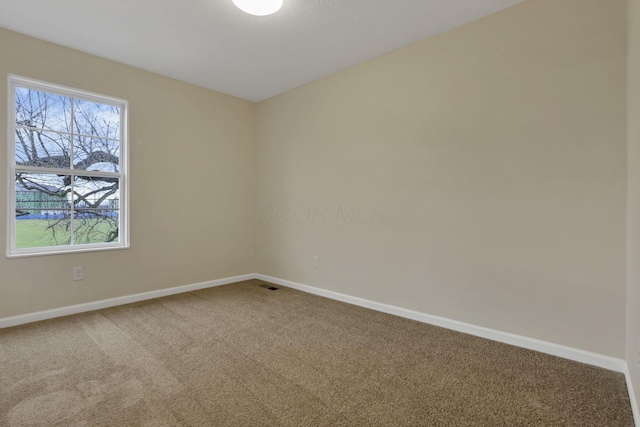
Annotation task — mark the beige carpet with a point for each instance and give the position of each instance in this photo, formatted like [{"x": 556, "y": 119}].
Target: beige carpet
[{"x": 243, "y": 355}]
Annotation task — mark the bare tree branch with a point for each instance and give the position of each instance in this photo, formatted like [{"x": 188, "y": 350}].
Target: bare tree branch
[{"x": 46, "y": 135}]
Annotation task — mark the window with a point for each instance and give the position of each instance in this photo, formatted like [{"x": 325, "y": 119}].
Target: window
[{"x": 67, "y": 170}]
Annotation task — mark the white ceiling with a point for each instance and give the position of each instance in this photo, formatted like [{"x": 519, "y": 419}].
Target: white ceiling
[{"x": 213, "y": 44}]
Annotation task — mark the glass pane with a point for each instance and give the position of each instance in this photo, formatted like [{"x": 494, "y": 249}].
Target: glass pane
[
  {"x": 43, "y": 110},
  {"x": 96, "y": 154},
  {"x": 95, "y": 119},
  {"x": 42, "y": 210},
  {"x": 41, "y": 148},
  {"x": 96, "y": 209}
]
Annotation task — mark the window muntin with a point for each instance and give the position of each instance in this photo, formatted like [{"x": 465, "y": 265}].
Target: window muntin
[{"x": 67, "y": 164}]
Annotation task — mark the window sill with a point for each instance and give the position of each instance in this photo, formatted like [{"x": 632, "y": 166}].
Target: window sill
[{"x": 33, "y": 252}]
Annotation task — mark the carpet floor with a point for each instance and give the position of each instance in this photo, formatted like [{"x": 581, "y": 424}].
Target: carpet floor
[{"x": 244, "y": 355}]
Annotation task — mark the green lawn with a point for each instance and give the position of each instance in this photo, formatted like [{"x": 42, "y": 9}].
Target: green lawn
[{"x": 31, "y": 233}]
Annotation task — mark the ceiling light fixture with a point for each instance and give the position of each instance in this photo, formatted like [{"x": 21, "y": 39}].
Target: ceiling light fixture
[{"x": 259, "y": 7}]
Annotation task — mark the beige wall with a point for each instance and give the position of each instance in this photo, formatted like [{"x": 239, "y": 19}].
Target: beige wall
[
  {"x": 633, "y": 219},
  {"x": 478, "y": 175},
  {"x": 192, "y": 184}
]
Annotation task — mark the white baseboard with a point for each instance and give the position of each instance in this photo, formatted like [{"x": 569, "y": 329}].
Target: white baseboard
[
  {"x": 578, "y": 355},
  {"x": 112, "y": 302},
  {"x": 632, "y": 396},
  {"x": 570, "y": 353}
]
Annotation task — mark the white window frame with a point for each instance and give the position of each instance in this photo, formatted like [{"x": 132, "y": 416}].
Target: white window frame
[{"x": 123, "y": 174}]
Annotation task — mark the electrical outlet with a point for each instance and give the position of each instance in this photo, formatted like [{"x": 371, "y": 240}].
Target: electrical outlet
[
  {"x": 78, "y": 273},
  {"x": 316, "y": 262}
]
